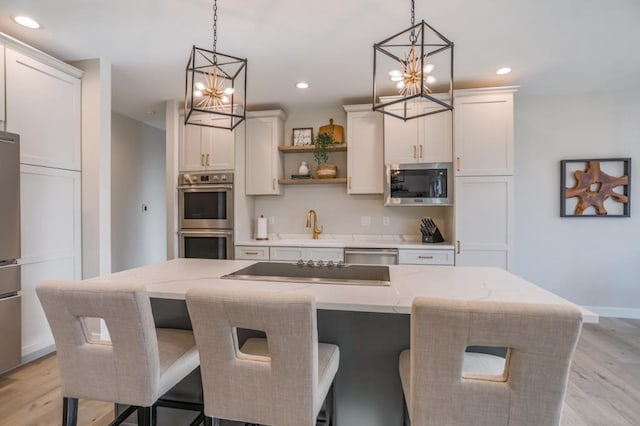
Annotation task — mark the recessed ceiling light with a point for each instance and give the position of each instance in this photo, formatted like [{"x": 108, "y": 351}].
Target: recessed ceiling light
[
  {"x": 25, "y": 21},
  {"x": 302, "y": 85},
  {"x": 503, "y": 71}
]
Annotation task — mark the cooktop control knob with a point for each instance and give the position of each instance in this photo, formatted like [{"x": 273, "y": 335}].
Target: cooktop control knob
[
  {"x": 320, "y": 263},
  {"x": 310, "y": 263},
  {"x": 340, "y": 264},
  {"x": 300, "y": 262},
  {"x": 330, "y": 264}
]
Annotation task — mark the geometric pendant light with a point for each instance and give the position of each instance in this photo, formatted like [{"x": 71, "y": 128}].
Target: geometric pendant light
[
  {"x": 215, "y": 86},
  {"x": 413, "y": 72}
]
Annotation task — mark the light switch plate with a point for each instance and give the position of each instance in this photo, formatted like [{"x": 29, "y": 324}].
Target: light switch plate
[{"x": 365, "y": 220}]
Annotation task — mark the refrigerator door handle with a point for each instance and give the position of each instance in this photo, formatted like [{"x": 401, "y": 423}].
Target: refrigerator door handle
[{"x": 8, "y": 262}]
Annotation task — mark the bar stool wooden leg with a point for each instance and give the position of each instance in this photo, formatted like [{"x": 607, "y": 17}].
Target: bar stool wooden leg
[{"x": 69, "y": 411}]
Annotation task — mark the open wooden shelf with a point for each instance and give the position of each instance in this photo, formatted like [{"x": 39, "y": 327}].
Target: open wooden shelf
[
  {"x": 309, "y": 148},
  {"x": 312, "y": 181}
]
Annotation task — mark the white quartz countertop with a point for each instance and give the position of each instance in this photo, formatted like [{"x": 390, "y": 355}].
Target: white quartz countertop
[
  {"x": 347, "y": 240},
  {"x": 172, "y": 279}
]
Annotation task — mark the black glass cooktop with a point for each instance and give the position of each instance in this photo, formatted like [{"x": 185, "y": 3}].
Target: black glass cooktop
[{"x": 371, "y": 275}]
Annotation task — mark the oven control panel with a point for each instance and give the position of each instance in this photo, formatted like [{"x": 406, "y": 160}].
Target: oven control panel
[{"x": 204, "y": 178}]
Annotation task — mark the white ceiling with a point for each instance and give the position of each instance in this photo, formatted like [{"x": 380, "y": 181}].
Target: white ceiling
[{"x": 552, "y": 45}]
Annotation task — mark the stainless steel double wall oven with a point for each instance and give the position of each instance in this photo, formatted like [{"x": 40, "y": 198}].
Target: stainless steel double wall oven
[{"x": 205, "y": 202}]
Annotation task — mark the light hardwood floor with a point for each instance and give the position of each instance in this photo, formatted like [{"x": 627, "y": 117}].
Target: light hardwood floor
[{"x": 604, "y": 386}]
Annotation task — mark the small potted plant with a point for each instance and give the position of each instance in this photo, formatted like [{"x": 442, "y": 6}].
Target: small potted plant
[{"x": 321, "y": 155}]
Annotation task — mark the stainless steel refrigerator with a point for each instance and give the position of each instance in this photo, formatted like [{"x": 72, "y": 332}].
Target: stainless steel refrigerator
[{"x": 10, "y": 309}]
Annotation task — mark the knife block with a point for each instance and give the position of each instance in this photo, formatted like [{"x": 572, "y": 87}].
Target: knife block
[{"x": 435, "y": 238}]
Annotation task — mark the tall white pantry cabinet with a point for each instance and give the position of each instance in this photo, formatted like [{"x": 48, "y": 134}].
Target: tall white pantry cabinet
[
  {"x": 483, "y": 150},
  {"x": 42, "y": 99}
]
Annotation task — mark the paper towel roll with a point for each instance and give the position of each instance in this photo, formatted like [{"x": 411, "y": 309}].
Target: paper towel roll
[{"x": 261, "y": 228}]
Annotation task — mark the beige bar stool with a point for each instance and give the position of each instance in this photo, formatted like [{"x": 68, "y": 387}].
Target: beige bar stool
[
  {"x": 445, "y": 386},
  {"x": 137, "y": 366},
  {"x": 281, "y": 380}
]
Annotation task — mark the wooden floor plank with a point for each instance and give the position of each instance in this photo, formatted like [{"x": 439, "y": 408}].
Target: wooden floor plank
[{"x": 604, "y": 384}]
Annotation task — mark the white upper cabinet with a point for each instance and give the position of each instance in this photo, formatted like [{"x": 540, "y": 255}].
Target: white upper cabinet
[
  {"x": 435, "y": 136},
  {"x": 265, "y": 131},
  {"x": 365, "y": 165},
  {"x": 2, "y": 96},
  {"x": 425, "y": 139},
  {"x": 205, "y": 148},
  {"x": 484, "y": 132},
  {"x": 43, "y": 107},
  {"x": 400, "y": 140}
]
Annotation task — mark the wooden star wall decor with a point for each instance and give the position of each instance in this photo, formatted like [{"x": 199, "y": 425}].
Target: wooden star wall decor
[{"x": 594, "y": 187}]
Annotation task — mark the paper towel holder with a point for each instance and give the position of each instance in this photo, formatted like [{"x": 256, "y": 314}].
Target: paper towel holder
[{"x": 261, "y": 229}]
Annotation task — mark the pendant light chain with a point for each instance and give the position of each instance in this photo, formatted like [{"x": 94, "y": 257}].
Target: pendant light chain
[
  {"x": 215, "y": 28},
  {"x": 413, "y": 38}
]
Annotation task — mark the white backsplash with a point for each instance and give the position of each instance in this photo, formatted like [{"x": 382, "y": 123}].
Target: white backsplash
[{"x": 340, "y": 213}]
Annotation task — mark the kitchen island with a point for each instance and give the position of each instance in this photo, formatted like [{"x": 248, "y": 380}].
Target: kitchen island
[{"x": 369, "y": 324}]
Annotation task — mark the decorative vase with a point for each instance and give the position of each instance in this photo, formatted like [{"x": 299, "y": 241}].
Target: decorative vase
[
  {"x": 303, "y": 169},
  {"x": 327, "y": 171}
]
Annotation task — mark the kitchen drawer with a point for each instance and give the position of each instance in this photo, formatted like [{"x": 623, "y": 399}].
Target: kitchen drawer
[
  {"x": 425, "y": 257},
  {"x": 293, "y": 254},
  {"x": 252, "y": 253}
]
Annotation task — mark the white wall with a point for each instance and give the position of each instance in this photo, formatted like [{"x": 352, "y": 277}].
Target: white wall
[
  {"x": 591, "y": 261},
  {"x": 137, "y": 178},
  {"x": 96, "y": 167}
]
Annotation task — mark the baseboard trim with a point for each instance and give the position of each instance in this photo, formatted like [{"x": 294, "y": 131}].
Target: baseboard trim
[
  {"x": 613, "y": 312},
  {"x": 37, "y": 354}
]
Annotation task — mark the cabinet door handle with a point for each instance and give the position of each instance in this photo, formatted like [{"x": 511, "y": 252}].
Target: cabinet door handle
[
  {"x": 202, "y": 160},
  {"x": 425, "y": 257},
  {"x": 420, "y": 151},
  {"x": 458, "y": 244},
  {"x": 414, "y": 152},
  {"x": 251, "y": 253},
  {"x": 349, "y": 182},
  {"x": 458, "y": 163},
  {"x": 273, "y": 184},
  {"x": 207, "y": 158}
]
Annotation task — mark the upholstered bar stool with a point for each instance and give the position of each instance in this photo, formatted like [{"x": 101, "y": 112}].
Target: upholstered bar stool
[
  {"x": 137, "y": 366},
  {"x": 445, "y": 386},
  {"x": 281, "y": 380}
]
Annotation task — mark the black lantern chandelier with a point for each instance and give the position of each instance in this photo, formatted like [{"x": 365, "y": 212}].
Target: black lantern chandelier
[
  {"x": 215, "y": 86},
  {"x": 413, "y": 72}
]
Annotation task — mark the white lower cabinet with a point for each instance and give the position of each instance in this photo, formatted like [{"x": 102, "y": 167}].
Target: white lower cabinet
[
  {"x": 50, "y": 240},
  {"x": 484, "y": 221},
  {"x": 293, "y": 254},
  {"x": 425, "y": 257},
  {"x": 252, "y": 253}
]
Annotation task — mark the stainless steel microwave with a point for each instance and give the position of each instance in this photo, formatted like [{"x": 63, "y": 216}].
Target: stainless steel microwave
[{"x": 418, "y": 184}]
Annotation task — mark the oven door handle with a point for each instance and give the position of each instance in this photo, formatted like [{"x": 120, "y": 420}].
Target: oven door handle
[
  {"x": 204, "y": 232},
  {"x": 198, "y": 187}
]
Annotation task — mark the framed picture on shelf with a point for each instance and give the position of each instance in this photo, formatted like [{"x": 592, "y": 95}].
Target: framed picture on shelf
[
  {"x": 302, "y": 136},
  {"x": 595, "y": 187}
]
